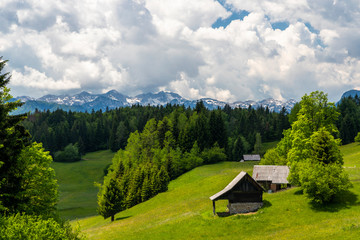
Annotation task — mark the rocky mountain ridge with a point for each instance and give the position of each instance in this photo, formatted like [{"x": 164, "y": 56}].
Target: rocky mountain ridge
[{"x": 85, "y": 101}]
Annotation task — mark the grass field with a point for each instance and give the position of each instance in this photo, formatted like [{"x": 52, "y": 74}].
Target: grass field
[
  {"x": 76, "y": 184},
  {"x": 185, "y": 211}
]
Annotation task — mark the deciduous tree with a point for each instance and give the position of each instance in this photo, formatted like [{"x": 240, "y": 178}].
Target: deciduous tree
[
  {"x": 321, "y": 175},
  {"x": 311, "y": 150},
  {"x": 39, "y": 193}
]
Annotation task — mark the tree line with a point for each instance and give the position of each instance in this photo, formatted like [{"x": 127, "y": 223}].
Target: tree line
[
  {"x": 87, "y": 132},
  {"x": 348, "y": 122}
]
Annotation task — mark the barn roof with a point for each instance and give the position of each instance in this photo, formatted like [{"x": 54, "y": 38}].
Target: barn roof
[
  {"x": 251, "y": 157},
  {"x": 233, "y": 183},
  {"x": 273, "y": 173}
]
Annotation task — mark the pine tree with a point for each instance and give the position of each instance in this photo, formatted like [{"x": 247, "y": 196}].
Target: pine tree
[
  {"x": 122, "y": 134},
  {"x": 146, "y": 189},
  {"x": 163, "y": 179},
  {"x": 134, "y": 191},
  {"x": 81, "y": 146},
  {"x": 202, "y": 131},
  {"x": 257, "y": 146},
  {"x": 163, "y": 127},
  {"x": 186, "y": 138},
  {"x": 238, "y": 149},
  {"x": 213, "y": 128},
  {"x": 110, "y": 200},
  {"x": 27, "y": 183},
  {"x": 112, "y": 139}
]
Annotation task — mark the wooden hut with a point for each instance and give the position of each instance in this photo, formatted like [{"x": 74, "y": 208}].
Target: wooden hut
[
  {"x": 271, "y": 176},
  {"x": 243, "y": 193},
  {"x": 251, "y": 157}
]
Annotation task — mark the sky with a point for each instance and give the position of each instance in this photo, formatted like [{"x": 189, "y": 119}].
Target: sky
[{"x": 230, "y": 50}]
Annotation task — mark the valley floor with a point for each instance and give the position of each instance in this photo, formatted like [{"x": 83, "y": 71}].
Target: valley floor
[{"x": 78, "y": 192}]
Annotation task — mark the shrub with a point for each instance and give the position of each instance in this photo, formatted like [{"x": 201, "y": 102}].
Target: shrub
[
  {"x": 272, "y": 157},
  {"x": 27, "y": 227},
  {"x": 357, "y": 138},
  {"x": 70, "y": 154},
  {"x": 214, "y": 154}
]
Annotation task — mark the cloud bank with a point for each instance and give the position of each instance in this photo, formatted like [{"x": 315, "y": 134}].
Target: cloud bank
[{"x": 279, "y": 49}]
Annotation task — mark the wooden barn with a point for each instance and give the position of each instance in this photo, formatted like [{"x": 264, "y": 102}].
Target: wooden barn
[
  {"x": 251, "y": 157},
  {"x": 243, "y": 193},
  {"x": 271, "y": 177}
]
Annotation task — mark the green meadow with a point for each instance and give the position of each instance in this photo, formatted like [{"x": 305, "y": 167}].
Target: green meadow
[
  {"x": 185, "y": 210},
  {"x": 78, "y": 194}
]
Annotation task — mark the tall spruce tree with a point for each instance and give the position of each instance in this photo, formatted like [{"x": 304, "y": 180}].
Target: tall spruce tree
[
  {"x": 110, "y": 199},
  {"x": 27, "y": 182},
  {"x": 257, "y": 146},
  {"x": 13, "y": 139},
  {"x": 217, "y": 129}
]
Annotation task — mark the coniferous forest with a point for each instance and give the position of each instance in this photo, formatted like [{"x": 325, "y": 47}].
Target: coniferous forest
[{"x": 230, "y": 128}]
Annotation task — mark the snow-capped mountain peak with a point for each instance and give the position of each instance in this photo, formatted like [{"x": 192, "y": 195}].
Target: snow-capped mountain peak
[{"x": 85, "y": 101}]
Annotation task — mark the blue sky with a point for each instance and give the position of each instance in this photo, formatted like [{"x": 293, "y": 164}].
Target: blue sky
[
  {"x": 225, "y": 22},
  {"x": 235, "y": 15},
  {"x": 228, "y": 49}
]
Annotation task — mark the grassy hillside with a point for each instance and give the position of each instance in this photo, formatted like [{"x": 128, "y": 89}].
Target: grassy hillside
[
  {"x": 185, "y": 211},
  {"x": 76, "y": 184}
]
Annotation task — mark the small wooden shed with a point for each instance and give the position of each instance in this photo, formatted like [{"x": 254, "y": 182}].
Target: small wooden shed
[
  {"x": 271, "y": 176},
  {"x": 243, "y": 193},
  {"x": 251, "y": 157}
]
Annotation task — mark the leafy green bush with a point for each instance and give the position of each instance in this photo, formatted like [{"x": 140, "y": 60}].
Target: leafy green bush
[
  {"x": 70, "y": 154},
  {"x": 272, "y": 157},
  {"x": 357, "y": 138},
  {"x": 214, "y": 154},
  {"x": 27, "y": 227}
]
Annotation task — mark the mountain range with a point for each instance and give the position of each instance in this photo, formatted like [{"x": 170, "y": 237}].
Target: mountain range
[{"x": 85, "y": 101}]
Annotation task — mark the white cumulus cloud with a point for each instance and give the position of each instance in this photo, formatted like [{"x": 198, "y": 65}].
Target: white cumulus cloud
[
  {"x": 137, "y": 46},
  {"x": 38, "y": 80}
]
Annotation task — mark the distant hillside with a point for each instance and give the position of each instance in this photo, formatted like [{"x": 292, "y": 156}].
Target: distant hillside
[
  {"x": 185, "y": 211},
  {"x": 351, "y": 93},
  {"x": 85, "y": 101}
]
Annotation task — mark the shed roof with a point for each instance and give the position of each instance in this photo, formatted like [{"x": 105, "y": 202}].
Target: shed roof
[
  {"x": 273, "y": 173},
  {"x": 241, "y": 176},
  {"x": 251, "y": 157}
]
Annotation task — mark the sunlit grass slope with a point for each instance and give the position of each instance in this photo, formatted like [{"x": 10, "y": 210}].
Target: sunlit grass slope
[
  {"x": 76, "y": 184},
  {"x": 185, "y": 211}
]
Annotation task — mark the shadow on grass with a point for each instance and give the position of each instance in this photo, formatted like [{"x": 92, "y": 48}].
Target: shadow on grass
[
  {"x": 122, "y": 218},
  {"x": 226, "y": 214},
  {"x": 266, "y": 204},
  {"x": 223, "y": 214},
  {"x": 343, "y": 200},
  {"x": 299, "y": 192}
]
